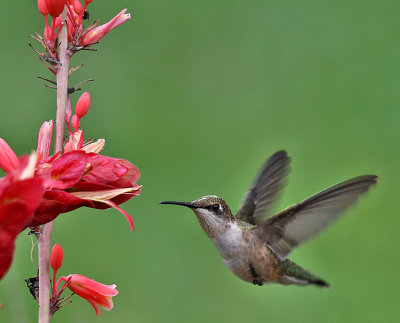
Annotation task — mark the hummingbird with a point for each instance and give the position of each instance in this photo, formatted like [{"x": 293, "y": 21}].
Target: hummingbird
[{"x": 255, "y": 245}]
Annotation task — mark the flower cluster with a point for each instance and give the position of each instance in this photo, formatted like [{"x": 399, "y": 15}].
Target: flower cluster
[
  {"x": 78, "y": 177},
  {"x": 78, "y": 37},
  {"x": 37, "y": 188},
  {"x": 95, "y": 293}
]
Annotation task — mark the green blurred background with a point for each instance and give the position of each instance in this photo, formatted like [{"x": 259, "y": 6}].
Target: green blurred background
[{"x": 198, "y": 94}]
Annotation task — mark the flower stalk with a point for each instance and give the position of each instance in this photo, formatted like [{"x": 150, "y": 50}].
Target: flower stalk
[
  {"x": 44, "y": 240},
  {"x": 39, "y": 187}
]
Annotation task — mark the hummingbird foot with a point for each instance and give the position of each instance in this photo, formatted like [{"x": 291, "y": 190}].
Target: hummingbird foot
[
  {"x": 255, "y": 275},
  {"x": 256, "y": 282}
]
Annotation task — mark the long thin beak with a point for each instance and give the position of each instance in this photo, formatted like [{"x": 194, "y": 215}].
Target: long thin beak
[{"x": 187, "y": 204}]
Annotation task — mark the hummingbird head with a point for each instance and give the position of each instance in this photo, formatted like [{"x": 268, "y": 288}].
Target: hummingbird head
[{"x": 211, "y": 211}]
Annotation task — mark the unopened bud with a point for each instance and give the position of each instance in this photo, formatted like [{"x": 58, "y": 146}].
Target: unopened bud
[
  {"x": 55, "y": 7},
  {"x": 56, "y": 257},
  {"x": 83, "y": 104},
  {"x": 75, "y": 122},
  {"x": 77, "y": 7},
  {"x": 57, "y": 22},
  {"x": 48, "y": 33},
  {"x": 8, "y": 159},
  {"x": 42, "y": 7}
]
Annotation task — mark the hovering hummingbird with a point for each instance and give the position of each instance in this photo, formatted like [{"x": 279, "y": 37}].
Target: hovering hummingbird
[{"x": 255, "y": 247}]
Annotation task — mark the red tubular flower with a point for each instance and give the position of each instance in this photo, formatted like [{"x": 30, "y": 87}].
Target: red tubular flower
[
  {"x": 81, "y": 179},
  {"x": 42, "y": 7},
  {"x": 56, "y": 257},
  {"x": 8, "y": 159},
  {"x": 83, "y": 104},
  {"x": 95, "y": 293},
  {"x": 93, "y": 35},
  {"x": 20, "y": 195},
  {"x": 55, "y": 7}
]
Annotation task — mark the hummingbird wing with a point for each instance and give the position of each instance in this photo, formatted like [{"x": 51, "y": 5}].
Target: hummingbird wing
[
  {"x": 296, "y": 224},
  {"x": 265, "y": 189}
]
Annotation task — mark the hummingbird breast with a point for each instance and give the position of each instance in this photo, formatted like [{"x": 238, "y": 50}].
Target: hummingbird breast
[{"x": 245, "y": 255}]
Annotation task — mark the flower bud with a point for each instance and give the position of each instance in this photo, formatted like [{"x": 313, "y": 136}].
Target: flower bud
[
  {"x": 55, "y": 7},
  {"x": 83, "y": 104},
  {"x": 56, "y": 257},
  {"x": 48, "y": 34},
  {"x": 75, "y": 122},
  {"x": 57, "y": 22},
  {"x": 44, "y": 141},
  {"x": 77, "y": 7},
  {"x": 42, "y": 7},
  {"x": 8, "y": 159}
]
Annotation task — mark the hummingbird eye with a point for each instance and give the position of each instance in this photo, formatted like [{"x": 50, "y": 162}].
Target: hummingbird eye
[{"x": 216, "y": 207}]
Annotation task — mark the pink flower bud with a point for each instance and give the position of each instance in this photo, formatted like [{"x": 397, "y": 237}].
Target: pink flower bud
[
  {"x": 88, "y": 1},
  {"x": 77, "y": 7},
  {"x": 83, "y": 104},
  {"x": 56, "y": 257},
  {"x": 48, "y": 34},
  {"x": 44, "y": 141},
  {"x": 75, "y": 122},
  {"x": 57, "y": 22},
  {"x": 68, "y": 111},
  {"x": 8, "y": 159},
  {"x": 55, "y": 7},
  {"x": 42, "y": 7}
]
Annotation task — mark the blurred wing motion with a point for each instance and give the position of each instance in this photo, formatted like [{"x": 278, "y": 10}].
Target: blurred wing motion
[
  {"x": 298, "y": 223},
  {"x": 265, "y": 189}
]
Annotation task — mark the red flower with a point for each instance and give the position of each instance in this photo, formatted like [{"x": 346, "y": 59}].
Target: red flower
[
  {"x": 83, "y": 104},
  {"x": 20, "y": 195},
  {"x": 78, "y": 178},
  {"x": 42, "y": 7},
  {"x": 8, "y": 159},
  {"x": 95, "y": 293},
  {"x": 94, "y": 34},
  {"x": 56, "y": 257},
  {"x": 54, "y": 7}
]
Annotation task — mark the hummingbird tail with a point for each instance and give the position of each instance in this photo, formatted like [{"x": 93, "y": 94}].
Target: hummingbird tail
[{"x": 294, "y": 274}]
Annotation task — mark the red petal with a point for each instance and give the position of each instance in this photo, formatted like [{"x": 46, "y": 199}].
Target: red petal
[
  {"x": 28, "y": 192},
  {"x": 13, "y": 217},
  {"x": 69, "y": 169},
  {"x": 104, "y": 169},
  {"x": 95, "y": 293},
  {"x": 55, "y": 7},
  {"x": 53, "y": 203},
  {"x": 91, "y": 284}
]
